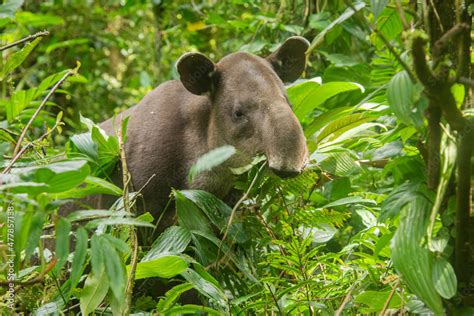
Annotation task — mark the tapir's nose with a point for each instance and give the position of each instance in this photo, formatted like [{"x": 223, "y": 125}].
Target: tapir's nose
[{"x": 285, "y": 173}]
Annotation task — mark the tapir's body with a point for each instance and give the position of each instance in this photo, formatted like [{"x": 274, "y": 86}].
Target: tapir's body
[
  {"x": 240, "y": 101},
  {"x": 167, "y": 132}
]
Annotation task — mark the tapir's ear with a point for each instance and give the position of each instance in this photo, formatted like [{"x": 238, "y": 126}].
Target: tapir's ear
[
  {"x": 196, "y": 71},
  {"x": 289, "y": 59}
]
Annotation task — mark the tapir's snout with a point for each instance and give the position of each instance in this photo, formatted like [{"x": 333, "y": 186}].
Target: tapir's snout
[
  {"x": 286, "y": 150},
  {"x": 285, "y": 173}
]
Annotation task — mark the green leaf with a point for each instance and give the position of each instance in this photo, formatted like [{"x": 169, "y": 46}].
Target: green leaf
[
  {"x": 34, "y": 233},
  {"x": 444, "y": 278},
  {"x": 94, "y": 291},
  {"x": 173, "y": 240},
  {"x": 79, "y": 259},
  {"x": 17, "y": 58},
  {"x": 121, "y": 246},
  {"x": 211, "y": 159},
  {"x": 314, "y": 95},
  {"x": 189, "y": 215},
  {"x": 448, "y": 161},
  {"x": 63, "y": 228},
  {"x": 349, "y": 200},
  {"x": 91, "y": 185},
  {"x": 67, "y": 43},
  {"x": 97, "y": 256},
  {"x": 402, "y": 95},
  {"x": 375, "y": 300},
  {"x": 163, "y": 267},
  {"x": 82, "y": 215},
  {"x": 38, "y": 20},
  {"x": 411, "y": 259},
  {"x": 118, "y": 221},
  {"x": 7, "y": 136},
  {"x": 399, "y": 197},
  {"x": 458, "y": 91},
  {"x": 343, "y": 17},
  {"x": 205, "y": 287},
  {"x": 101, "y": 149},
  {"x": 322, "y": 233},
  {"x": 192, "y": 309},
  {"x": 19, "y": 100},
  {"x": 297, "y": 93},
  {"x": 8, "y": 9},
  {"x": 340, "y": 164},
  {"x": 215, "y": 209},
  {"x": 377, "y": 6},
  {"x": 114, "y": 268},
  {"x": 171, "y": 296},
  {"x": 49, "y": 82},
  {"x": 53, "y": 178},
  {"x": 389, "y": 25},
  {"x": 343, "y": 124}
]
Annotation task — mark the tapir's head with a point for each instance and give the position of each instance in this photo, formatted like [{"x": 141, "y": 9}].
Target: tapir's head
[{"x": 250, "y": 108}]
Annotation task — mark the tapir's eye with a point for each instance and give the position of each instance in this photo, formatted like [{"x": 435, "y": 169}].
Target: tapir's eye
[{"x": 238, "y": 115}]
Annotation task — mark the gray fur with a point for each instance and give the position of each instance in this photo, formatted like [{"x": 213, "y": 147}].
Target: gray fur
[{"x": 172, "y": 127}]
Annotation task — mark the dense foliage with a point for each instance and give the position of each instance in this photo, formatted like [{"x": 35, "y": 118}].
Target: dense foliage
[{"x": 377, "y": 223}]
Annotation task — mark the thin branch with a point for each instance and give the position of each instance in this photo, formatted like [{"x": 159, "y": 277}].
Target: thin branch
[
  {"x": 435, "y": 11},
  {"x": 441, "y": 44},
  {"x": 25, "y": 148},
  {"x": 433, "y": 115},
  {"x": 23, "y": 40},
  {"x": 40, "y": 108},
  {"x": 386, "y": 42},
  {"x": 380, "y": 163},
  {"x": 438, "y": 90},
  {"x": 242, "y": 199},
  {"x": 463, "y": 204},
  {"x": 237, "y": 205},
  {"x": 401, "y": 14},
  {"x": 274, "y": 299},
  {"x": 126, "y": 178},
  {"x": 346, "y": 300},
  {"x": 37, "y": 279},
  {"x": 389, "y": 298},
  {"x": 466, "y": 81}
]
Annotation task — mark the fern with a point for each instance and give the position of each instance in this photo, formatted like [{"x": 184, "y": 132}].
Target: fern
[
  {"x": 314, "y": 217},
  {"x": 384, "y": 67}
]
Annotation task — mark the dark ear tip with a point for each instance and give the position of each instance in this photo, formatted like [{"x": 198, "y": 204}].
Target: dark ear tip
[
  {"x": 298, "y": 40},
  {"x": 190, "y": 56},
  {"x": 195, "y": 71}
]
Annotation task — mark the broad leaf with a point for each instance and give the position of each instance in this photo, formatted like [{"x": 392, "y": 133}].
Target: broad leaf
[
  {"x": 173, "y": 240},
  {"x": 94, "y": 291},
  {"x": 17, "y": 58},
  {"x": 211, "y": 159},
  {"x": 163, "y": 267}
]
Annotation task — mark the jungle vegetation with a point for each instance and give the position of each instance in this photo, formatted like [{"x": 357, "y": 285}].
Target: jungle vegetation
[{"x": 380, "y": 222}]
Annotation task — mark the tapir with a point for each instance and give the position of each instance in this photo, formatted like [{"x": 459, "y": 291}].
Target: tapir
[{"x": 240, "y": 101}]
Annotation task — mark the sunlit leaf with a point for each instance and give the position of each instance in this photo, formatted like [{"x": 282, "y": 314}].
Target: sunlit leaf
[
  {"x": 163, "y": 267},
  {"x": 211, "y": 159}
]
